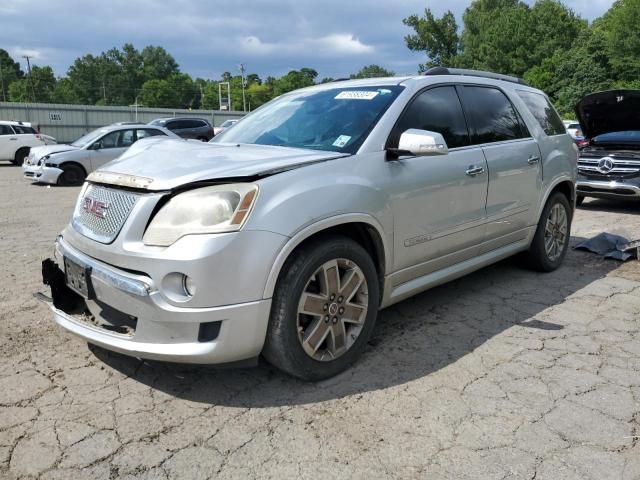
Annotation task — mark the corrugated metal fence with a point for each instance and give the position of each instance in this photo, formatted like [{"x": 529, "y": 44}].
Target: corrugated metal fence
[{"x": 68, "y": 122}]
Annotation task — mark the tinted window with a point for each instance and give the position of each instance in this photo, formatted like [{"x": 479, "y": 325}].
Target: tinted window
[
  {"x": 177, "y": 125},
  {"x": 23, "y": 129},
  {"x": 492, "y": 116},
  {"x": 544, "y": 112},
  {"x": 437, "y": 110},
  {"x": 148, "y": 132},
  {"x": 5, "y": 130}
]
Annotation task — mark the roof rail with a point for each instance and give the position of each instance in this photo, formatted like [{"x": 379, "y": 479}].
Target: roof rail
[{"x": 474, "y": 73}]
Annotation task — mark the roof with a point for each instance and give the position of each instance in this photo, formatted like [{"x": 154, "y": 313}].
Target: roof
[{"x": 14, "y": 122}]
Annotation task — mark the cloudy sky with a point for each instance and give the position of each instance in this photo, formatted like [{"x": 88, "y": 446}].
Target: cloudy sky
[{"x": 336, "y": 37}]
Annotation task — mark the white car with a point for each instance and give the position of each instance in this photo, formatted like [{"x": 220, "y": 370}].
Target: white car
[
  {"x": 573, "y": 128},
  {"x": 227, "y": 124},
  {"x": 70, "y": 164},
  {"x": 17, "y": 138}
]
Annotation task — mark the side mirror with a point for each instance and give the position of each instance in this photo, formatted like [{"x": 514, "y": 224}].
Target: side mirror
[
  {"x": 96, "y": 146},
  {"x": 422, "y": 143}
]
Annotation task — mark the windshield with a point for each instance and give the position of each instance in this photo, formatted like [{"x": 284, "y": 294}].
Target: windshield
[
  {"x": 336, "y": 120},
  {"x": 88, "y": 138}
]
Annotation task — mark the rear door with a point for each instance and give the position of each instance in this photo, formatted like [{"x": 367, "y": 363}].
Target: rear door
[
  {"x": 513, "y": 162},
  {"x": 438, "y": 204}
]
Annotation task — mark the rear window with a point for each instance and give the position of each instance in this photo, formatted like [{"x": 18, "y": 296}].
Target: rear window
[
  {"x": 23, "y": 129},
  {"x": 544, "y": 112}
]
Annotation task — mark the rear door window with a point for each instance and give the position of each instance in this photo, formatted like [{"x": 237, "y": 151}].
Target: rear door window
[
  {"x": 492, "y": 116},
  {"x": 437, "y": 110},
  {"x": 544, "y": 113}
]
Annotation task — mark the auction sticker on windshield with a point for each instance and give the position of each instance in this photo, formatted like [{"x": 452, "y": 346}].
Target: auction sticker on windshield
[
  {"x": 356, "y": 95},
  {"x": 341, "y": 141}
]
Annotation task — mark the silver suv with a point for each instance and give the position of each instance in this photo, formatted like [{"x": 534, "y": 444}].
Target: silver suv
[{"x": 286, "y": 234}]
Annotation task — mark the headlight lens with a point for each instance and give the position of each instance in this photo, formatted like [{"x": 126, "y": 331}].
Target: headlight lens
[
  {"x": 42, "y": 160},
  {"x": 219, "y": 209}
]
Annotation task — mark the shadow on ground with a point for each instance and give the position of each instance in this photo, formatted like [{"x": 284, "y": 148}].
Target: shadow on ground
[
  {"x": 412, "y": 339},
  {"x": 629, "y": 207}
]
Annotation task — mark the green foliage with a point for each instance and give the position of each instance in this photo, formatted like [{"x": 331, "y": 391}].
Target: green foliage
[
  {"x": 372, "y": 71},
  {"x": 9, "y": 72},
  {"x": 38, "y": 87},
  {"x": 437, "y": 37}
]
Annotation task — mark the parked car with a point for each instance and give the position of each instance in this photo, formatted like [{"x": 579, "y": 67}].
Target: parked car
[
  {"x": 17, "y": 138},
  {"x": 196, "y": 128},
  {"x": 573, "y": 128},
  {"x": 70, "y": 164},
  {"x": 609, "y": 166},
  {"x": 285, "y": 235},
  {"x": 226, "y": 124}
]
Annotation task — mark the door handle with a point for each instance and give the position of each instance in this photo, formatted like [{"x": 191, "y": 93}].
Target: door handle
[
  {"x": 532, "y": 160},
  {"x": 474, "y": 170},
  {"x": 13, "y": 138}
]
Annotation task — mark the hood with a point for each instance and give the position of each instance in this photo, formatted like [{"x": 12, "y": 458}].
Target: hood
[
  {"x": 40, "y": 152},
  {"x": 611, "y": 111},
  {"x": 169, "y": 163}
]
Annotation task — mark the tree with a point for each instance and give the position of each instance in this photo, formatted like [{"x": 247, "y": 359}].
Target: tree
[
  {"x": 9, "y": 72},
  {"x": 157, "y": 63},
  {"x": 293, "y": 80},
  {"x": 372, "y": 71},
  {"x": 619, "y": 26},
  {"x": 38, "y": 87},
  {"x": 437, "y": 37}
]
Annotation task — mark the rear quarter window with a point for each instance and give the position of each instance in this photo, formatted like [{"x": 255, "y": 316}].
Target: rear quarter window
[{"x": 544, "y": 113}]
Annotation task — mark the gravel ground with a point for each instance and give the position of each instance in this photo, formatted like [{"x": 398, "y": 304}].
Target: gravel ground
[{"x": 503, "y": 374}]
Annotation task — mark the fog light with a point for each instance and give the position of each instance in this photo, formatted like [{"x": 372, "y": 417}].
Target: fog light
[{"x": 189, "y": 285}]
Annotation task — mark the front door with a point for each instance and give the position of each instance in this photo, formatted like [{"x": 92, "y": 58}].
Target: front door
[
  {"x": 438, "y": 201},
  {"x": 110, "y": 147}
]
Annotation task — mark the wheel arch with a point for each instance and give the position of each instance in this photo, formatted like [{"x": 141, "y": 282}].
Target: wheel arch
[
  {"x": 564, "y": 185},
  {"x": 361, "y": 228}
]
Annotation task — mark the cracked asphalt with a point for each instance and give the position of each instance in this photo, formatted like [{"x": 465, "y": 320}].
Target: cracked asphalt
[{"x": 503, "y": 374}]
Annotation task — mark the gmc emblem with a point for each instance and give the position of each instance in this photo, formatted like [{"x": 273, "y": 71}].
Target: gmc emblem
[{"x": 95, "y": 207}]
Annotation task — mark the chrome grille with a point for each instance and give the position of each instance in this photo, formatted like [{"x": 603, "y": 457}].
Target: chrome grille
[
  {"x": 617, "y": 166},
  {"x": 101, "y": 212}
]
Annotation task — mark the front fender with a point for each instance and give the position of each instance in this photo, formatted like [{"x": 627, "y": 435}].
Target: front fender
[{"x": 310, "y": 230}]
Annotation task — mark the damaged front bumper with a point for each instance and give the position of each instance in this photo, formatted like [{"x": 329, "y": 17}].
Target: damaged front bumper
[{"x": 124, "y": 312}]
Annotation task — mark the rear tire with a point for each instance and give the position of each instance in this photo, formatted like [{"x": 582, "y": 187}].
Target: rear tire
[
  {"x": 335, "y": 279},
  {"x": 551, "y": 240},
  {"x": 72, "y": 175},
  {"x": 579, "y": 200},
  {"x": 21, "y": 154}
]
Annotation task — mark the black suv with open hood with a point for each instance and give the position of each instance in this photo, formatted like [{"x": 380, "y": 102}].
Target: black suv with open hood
[{"x": 609, "y": 166}]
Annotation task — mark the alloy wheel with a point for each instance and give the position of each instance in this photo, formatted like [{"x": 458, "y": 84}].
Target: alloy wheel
[
  {"x": 332, "y": 309},
  {"x": 555, "y": 233}
]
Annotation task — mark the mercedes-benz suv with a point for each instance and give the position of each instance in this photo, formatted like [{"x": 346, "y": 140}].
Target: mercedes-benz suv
[
  {"x": 286, "y": 234},
  {"x": 609, "y": 166}
]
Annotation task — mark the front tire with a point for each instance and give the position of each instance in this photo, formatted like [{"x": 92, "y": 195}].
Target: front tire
[
  {"x": 551, "y": 240},
  {"x": 21, "y": 154},
  {"x": 71, "y": 176},
  {"x": 324, "y": 309}
]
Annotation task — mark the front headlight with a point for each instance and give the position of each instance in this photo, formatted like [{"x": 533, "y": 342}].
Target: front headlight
[
  {"x": 218, "y": 209},
  {"x": 42, "y": 160}
]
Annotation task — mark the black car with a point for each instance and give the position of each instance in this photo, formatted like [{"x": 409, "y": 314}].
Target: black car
[
  {"x": 609, "y": 165},
  {"x": 196, "y": 128}
]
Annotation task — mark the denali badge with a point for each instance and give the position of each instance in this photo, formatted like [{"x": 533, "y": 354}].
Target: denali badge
[
  {"x": 95, "y": 207},
  {"x": 605, "y": 165}
]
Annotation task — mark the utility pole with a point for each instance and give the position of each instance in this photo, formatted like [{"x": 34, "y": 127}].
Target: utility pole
[
  {"x": 33, "y": 90},
  {"x": 244, "y": 84},
  {"x": 4, "y": 96}
]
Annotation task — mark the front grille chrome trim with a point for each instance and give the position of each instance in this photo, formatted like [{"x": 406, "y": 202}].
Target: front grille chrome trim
[{"x": 116, "y": 205}]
